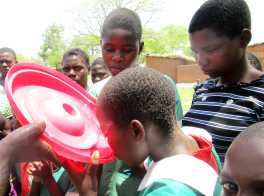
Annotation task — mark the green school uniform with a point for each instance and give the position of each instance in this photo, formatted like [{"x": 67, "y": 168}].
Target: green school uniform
[
  {"x": 118, "y": 179},
  {"x": 63, "y": 180},
  {"x": 179, "y": 175}
]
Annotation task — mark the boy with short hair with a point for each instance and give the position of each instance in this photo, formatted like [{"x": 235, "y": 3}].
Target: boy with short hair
[
  {"x": 137, "y": 114},
  {"x": 75, "y": 65},
  {"x": 243, "y": 169},
  {"x": 7, "y": 60},
  {"x": 233, "y": 97},
  {"x": 99, "y": 71}
]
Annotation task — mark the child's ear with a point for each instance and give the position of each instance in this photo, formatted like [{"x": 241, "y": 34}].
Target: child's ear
[
  {"x": 137, "y": 130},
  {"x": 245, "y": 37}
]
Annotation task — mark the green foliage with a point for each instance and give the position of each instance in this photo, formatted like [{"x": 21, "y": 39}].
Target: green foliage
[
  {"x": 175, "y": 39},
  {"x": 53, "y": 46},
  {"x": 169, "y": 40},
  {"x": 22, "y": 58},
  {"x": 186, "y": 95},
  {"x": 89, "y": 43}
]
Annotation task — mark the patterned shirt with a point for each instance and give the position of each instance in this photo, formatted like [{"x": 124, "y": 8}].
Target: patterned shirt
[
  {"x": 5, "y": 108},
  {"x": 226, "y": 111}
]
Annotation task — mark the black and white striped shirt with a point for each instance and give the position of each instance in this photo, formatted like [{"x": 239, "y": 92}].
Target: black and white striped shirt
[{"x": 226, "y": 111}]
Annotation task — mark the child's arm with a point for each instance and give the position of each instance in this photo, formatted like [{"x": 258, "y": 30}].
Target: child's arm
[
  {"x": 86, "y": 179},
  {"x": 42, "y": 172}
]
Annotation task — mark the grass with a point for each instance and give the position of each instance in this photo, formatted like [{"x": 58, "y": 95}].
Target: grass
[{"x": 186, "y": 94}]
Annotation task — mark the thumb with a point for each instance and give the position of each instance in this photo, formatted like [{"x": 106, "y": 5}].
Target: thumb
[{"x": 35, "y": 129}]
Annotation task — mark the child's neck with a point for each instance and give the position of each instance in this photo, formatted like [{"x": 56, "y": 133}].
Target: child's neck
[
  {"x": 178, "y": 143},
  {"x": 234, "y": 76},
  {"x": 241, "y": 74}
]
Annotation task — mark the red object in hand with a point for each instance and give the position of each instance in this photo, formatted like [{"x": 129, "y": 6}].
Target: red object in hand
[{"x": 39, "y": 93}]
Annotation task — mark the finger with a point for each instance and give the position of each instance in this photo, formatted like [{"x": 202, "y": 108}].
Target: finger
[
  {"x": 30, "y": 173},
  {"x": 35, "y": 129},
  {"x": 35, "y": 164},
  {"x": 49, "y": 154},
  {"x": 29, "y": 170},
  {"x": 47, "y": 163},
  {"x": 40, "y": 166}
]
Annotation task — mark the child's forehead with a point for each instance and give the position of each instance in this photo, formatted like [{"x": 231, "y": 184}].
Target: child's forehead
[
  {"x": 205, "y": 37},
  {"x": 6, "y": 55},
  {"x": 98, "y": 66},
  {"x": 247, "y": 148},
  {"x": 208, "y": 32},
  {"x": 119, "y": 32},
  {"x": 73, "y": 58}
]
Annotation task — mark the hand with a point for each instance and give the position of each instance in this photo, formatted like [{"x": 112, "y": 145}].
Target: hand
[
  {"x": 40, "y": 170},
  {"x": 24, "y": 145},
  {"x": 86, "y": 181}
]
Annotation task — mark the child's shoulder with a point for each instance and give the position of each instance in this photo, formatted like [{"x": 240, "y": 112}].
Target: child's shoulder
[
  {"x": 258, "y": 83},
  {"x": 179, "y": 168},
  {"x": 205, "y": 85},
  {"x": 168, "y": 187},
  {"x": 212, "y": 84}
]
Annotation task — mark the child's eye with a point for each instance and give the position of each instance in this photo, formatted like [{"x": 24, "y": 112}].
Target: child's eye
[
  {"x": 65, "y": 69},
  {"x": 78, "y": 68},
  {"x": 211, "y": 50},
  {"x": 230, "y": 187},
  {"x": 127, "y": 50},
  {"x": 109, "y": 49}
]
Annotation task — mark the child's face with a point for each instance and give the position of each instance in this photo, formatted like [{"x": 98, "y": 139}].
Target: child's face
[
  {"x": 216, "y": 54},
  {"x": 7, "y": 60},
  {"x": 99, "y": 72},
  {"x": 123, "y": 142},
  {"x": 75, "y": 68},
  {"x": 243, "y": 171},
  {"x": 120, "y": 49}
]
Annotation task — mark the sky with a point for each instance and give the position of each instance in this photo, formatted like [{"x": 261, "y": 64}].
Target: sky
[{"x": 23, "y": 22}]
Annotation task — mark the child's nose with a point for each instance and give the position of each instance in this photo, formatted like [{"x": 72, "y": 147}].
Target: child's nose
[
  {"x": 5, "y": 64},
  {"x": 117, "y": 56},
  {"x": 202, "y": 60},
  {"x": 72, "y": 72}
]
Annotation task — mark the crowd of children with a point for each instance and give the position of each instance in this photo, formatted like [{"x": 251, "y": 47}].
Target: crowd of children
[{"x": 159, "y": 151}]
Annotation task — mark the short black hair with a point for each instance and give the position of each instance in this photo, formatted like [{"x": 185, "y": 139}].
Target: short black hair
[
  {"x": 99, "y": 61},
  {"x": 77, "y": 52},
  {"x": 8, "y": 50},
  {"x": 123, "y": 18},
  {"x": 139, "y": 93},
  {"x": 225, "y": 17},
  {"x": 254, "y": 61}
]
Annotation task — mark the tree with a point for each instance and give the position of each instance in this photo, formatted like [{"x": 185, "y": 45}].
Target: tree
[
  {"x": 22, "y": 58},
  {"x": 175, "y": 39},
  {"x": 169, "y": 40},
  {"x": 93, "y": 12},
  {"x": 53, "y": 46},
  {"x": 89, "y": 43},
  {"x": 89, "y": 20}
]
